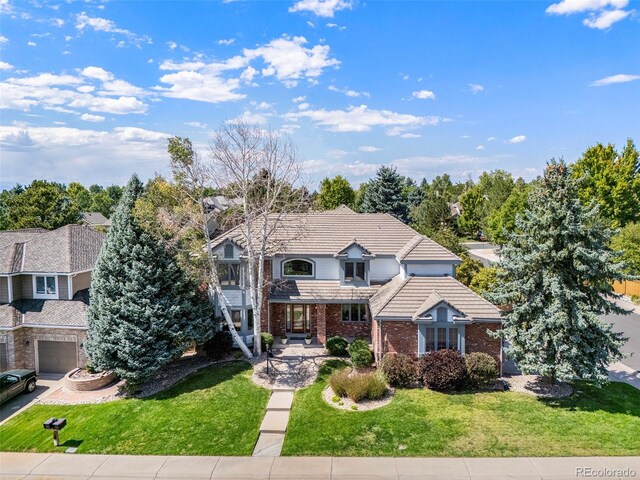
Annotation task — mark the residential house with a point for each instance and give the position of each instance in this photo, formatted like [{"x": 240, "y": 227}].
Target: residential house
[
  {"x": 44, "y": 293},
  {"x": 359, "y": 275},
  {"x": 95, "y": 219}
]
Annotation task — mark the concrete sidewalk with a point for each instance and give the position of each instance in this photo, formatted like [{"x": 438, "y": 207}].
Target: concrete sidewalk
[{"x": 61, "y": 466}]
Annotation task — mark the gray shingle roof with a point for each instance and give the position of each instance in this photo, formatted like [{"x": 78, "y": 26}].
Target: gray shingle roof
[
  {"x": 407, "y": 298},
  {"x": 319, "y": 291},
  {"x": 423, "y": 248},
  {"x": 95, "y": 218},
  {"x": 325, "y": 233},
  {"x": 63, "y": 313},
  {"x": 68, "y": 249}
]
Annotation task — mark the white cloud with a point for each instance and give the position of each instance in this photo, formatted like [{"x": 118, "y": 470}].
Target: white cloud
[
  {"x": 337, "y": 153},
  {"x": 285, "y": 58},
  {"x": 301, "y": 98},
  {"x": 517, "y": 139},
  {"x": 120, "y": 106},
  {"x": 566, "y": 7},
  {"x": 620, "y": 78},
  {"x": 97, "y": 72},
  {"x": 349, "y": 92},
  {"x": 424, "y": 95},
  {"x": 480, "y": 147},
  {"x": 5, "y": 66},
  {"x": 335, "y": 25},
  {"x": 289, "y": 60},
  {"x": 83, "y": 21},
  {"x": 87, "y": 117},
  {"x": 250, "y": 118},
  {"x": 601, "y": 14},
  {"x": 410, "y": 135},
  {"x": 196, "y": 124},
  {"x": 476, "y": 88},
  {"x": 172, "y": 45},
  {"x": 362, "y": 119},
  {"x": 86, "y": 88},
  {"x": 32, "y": 44},
  {"x": 491, "y": 139},
  {"x": 368, "y": 149},
  {"x": 605, "y": 19},
  {"x": 120, "y": 87},
  {"x": 303, "y": 106},
  {"x": 321, "y": 8},
  {"x": 66, "y": 154},
  {"x": 227, "y": 41},
  {"x": 3, "y": 40}
]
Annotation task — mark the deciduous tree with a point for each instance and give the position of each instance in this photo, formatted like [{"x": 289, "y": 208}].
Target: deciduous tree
[{"x": 334, "y": 192}]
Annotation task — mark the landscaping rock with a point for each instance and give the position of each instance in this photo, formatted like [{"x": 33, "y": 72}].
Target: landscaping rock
[
  {"x": 536, "y": 385},
  {"x": 347, "y": 404}
]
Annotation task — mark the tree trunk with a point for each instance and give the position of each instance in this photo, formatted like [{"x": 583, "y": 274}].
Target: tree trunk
[{"x": 217, "y": 292}]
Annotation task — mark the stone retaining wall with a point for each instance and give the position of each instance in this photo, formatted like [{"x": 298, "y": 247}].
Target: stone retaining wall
[{"x": 87, "y": 384}]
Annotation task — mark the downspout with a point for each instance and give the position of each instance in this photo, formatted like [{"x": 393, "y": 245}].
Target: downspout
[{"x": 379, "y": 341}]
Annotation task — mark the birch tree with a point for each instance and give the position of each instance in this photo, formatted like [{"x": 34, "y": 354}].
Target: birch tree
[{"x": 259, "y": 167}]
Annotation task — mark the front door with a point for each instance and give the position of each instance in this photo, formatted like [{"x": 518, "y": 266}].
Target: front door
[{"x": 298, "y": 319}]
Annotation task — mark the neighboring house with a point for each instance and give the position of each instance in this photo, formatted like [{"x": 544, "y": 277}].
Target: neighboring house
[
  {"x": 95, "y": 219},
  {"x": 214, "y": 206},
  {"x": 456, "y": 209},
  {"x": 360, "y": 275},
  {"x": 44, "y": 293}
]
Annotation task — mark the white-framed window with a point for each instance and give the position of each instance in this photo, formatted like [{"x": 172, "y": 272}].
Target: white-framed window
[
  {"x": 438, "y": 337},
  {"x": 45, "y": 286},
  {"x": 297, "y": 267}
]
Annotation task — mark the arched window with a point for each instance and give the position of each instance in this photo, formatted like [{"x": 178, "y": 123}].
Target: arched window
[{"x": 297, "y": 268}]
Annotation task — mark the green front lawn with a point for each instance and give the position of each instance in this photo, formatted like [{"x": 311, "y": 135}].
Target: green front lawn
[
  {"x": 216, "y": 411},
  {"x": 425, "y": 423}
]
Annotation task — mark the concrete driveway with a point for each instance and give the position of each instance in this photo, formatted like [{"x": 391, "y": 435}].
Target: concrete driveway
[
  {"x": 629, "y": 325},
  {"x": 47, "y": 384}
]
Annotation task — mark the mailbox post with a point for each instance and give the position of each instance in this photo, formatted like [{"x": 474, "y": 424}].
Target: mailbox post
[{"x": 55, "y": 425}]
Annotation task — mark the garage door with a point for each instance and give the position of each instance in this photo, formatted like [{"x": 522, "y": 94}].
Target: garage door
[
  {"x": 56, "y": 357},
  {"x": 3, "y": 357}
]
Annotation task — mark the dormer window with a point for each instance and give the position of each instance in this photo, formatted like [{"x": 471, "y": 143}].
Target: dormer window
[
  {"x": 45, "y": 286},
  {"x": 228, "y": 251},
  {"x": 297, "y": 268},
  {"x": 354, "y": 271}
]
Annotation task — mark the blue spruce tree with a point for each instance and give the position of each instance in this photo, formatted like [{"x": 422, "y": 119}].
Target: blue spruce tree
[
  {"x": 555, "y": 280},
  {"x": 143, "y": 311},
  {"x": 385, "y": 194}
]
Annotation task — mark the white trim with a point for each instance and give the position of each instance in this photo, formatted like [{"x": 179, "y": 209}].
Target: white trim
[
  {"x": 44, "y": 327},
  {"x": 17, "y": 274},
  {"x": 10, "y": 288},
  {"x": 287, "y": 260},
  {"x": 45, "y": 296},
  {"x": 69, "y": 288}
]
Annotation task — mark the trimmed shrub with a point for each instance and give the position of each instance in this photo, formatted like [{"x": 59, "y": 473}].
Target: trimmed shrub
[
  {"x": 358, "y": 344},
  {"x": 267, "y": 341},
  {"x": 218, "y": 346},
  {"x": 444, "y": 370},
  {"x": 361, "y": 358},
  {"x": 400, "y": 370},
  {"x": 358, "y": 386},
  {"x": 482, "y": 369},
  {"x": 337, "y": 346}
]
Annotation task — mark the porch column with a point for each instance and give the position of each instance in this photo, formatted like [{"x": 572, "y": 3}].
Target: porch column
[{"x": 322, "y": 323}]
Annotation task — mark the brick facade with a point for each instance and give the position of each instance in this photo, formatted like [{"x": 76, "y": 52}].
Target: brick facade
[
  {"x": 399, "y": 337},
  {"x": 477, "y": 340},
  {"x": 23, "y": 355}
]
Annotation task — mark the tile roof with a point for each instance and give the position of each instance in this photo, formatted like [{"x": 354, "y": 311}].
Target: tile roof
[
  {"x": 68, "y": 249},
  {"x": 63, "y": 313},
  {"x": 407, "y": 298},
  {"x": 319, "y": 291},
  {"x": 325, "y": 233},
  {"x": 423, "y": 248}
]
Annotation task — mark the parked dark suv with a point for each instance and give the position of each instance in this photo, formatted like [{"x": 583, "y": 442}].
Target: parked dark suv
[{"x": 13, "y": 382}]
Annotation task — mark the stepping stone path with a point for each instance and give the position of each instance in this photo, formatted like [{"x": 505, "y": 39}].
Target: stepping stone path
[{"x": 274, "y": 424}]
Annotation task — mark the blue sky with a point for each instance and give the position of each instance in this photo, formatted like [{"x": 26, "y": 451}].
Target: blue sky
[{"x": 90, "y": 91}]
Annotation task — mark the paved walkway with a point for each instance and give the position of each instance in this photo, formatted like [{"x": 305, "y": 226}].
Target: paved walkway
[
  {"x": 619, "y": 372},
  {"x": 61, "y": 466},
  {"x": 293, "y": 366}
]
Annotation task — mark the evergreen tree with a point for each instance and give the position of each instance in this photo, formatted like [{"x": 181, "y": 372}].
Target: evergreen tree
[
  {"x": 385, "y": 194},
  {"x": 143, "y": 312},
  {"x": 555, "y": 277}
]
